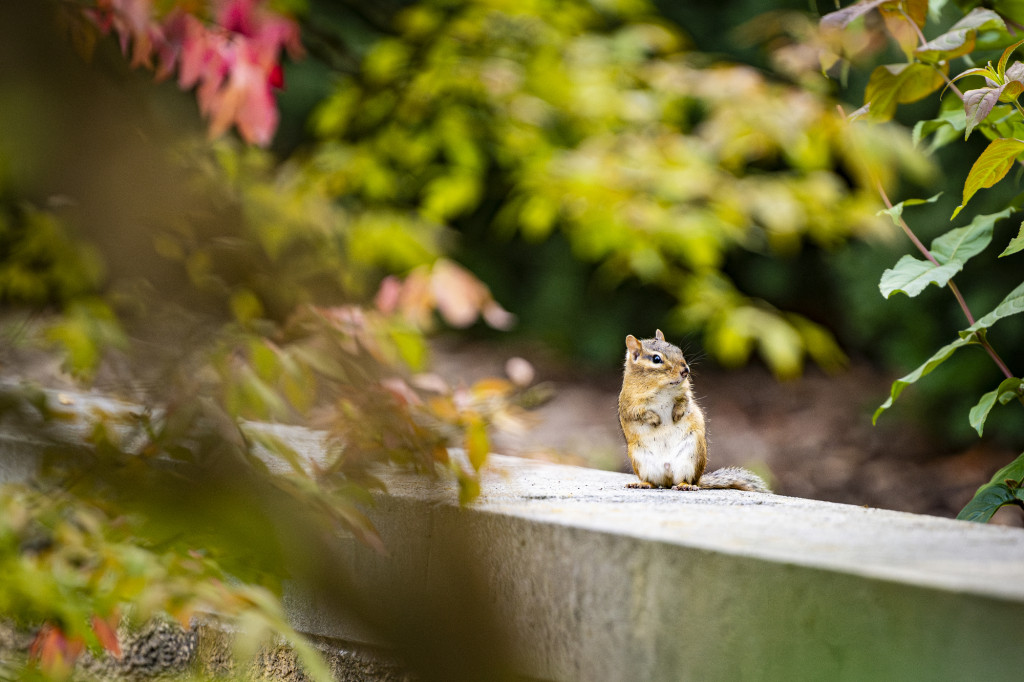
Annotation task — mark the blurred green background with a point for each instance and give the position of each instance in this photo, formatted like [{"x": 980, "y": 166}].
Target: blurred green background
[
  {"x": 552, "y": 148},
  {"x": 602, "y": 167}
]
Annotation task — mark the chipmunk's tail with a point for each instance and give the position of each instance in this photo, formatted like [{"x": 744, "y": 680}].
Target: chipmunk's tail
[{"x": 737, "y": 478}]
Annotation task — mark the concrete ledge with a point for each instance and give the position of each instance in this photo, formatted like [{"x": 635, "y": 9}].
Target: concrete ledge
[
  {"x": 578, "y": 578},
  {"x": 596, "y": 582}
]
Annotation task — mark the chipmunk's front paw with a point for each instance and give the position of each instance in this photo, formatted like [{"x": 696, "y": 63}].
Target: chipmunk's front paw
[
  {"x": 639, "y": 484},
  {"x": 686, "y": 486}
]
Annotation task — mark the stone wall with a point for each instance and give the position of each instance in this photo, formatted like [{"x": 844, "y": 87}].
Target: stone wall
[{"x": 561, "y": 573}]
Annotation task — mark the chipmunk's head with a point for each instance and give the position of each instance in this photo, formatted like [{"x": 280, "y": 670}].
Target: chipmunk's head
[{"x": 656, "y": 360}]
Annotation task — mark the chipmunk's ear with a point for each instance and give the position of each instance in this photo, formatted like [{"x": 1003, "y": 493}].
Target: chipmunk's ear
[
  {"x": 658, "y": 335},
  {"x": 633, "y": 347}
]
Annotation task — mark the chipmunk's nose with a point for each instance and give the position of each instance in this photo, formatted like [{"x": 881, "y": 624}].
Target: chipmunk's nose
[{"x": 684, "y": 371}]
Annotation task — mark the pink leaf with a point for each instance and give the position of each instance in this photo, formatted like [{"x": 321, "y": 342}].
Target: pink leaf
[
  {"x": 234, "y": 63},
  {"x": 389, "y": 295},
  {"x": 256, "y": 114},
  {"x": 237, "y": 16},
  {"x": 458, "y": 293}
]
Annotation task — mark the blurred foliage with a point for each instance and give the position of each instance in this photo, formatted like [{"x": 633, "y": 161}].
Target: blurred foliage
[
  {"x": 582, "y": 157},
  {"x": 598, "y": 122},
  {"x": 77, "y": 565},
  {"x": 946, "y": 61},
  {"x": 215, "y": 285}
]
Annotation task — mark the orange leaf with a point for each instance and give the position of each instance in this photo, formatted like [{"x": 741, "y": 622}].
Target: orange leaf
[
  {"x": 54, "y": 651},
  {"x": 492, "y": 387},
  {"x": 184, "y": 617},
  {"x": 106, "y": 633}
]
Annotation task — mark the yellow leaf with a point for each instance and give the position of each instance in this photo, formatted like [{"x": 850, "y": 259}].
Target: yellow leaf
[
  {"x": 477, "y": 442},
  {"x": 892, "y": 84},
  {"x": 991, "y": 167},
  {"x": 246, "y": 306}
]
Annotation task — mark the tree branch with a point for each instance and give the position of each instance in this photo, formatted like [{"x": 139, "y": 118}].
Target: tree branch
[{"x": 981, "y": 340}]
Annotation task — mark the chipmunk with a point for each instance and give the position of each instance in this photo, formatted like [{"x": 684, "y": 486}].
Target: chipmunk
[{"x": 664, "y": 427}]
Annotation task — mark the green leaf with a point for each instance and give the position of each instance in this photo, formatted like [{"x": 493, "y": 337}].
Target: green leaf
[
  {"x": 87, "y": 329},
  {"x": 386, "y": 60},
  {"x": 979, "y": 18},
  {"x": 911, "y": 276},
  {"x": 1012, "y": 473},
  {"x": 1006, "y": 56},
  {"x": 963, "y": 243},
  {"x": 1016, "y": 244},
  {"x": 979, "y": 413},
  {"x": 411, "y": 347},
  {"x": 1011, "y": 305},
  {"x": 842, "y": 18},
  {"x": 450, "y": 195},
  {"x": 897, "y": 211},
  {"x": 1010, "y": 389},
  {"x": 1003, "y": 488},
  {"x": 986, "y": 502},
  {"x": 1004, "y": 121},
  {"x": 985, "y": 72},
  {"x": 537, "y": 217},
  {"x": 1011, "y": 9},
  {"x": 954, "y": 43},
  {"x": 946, "y": 129},
  {"x": 930, "y": 364},
  {"x": 991, "y": 167},
  {"x": 959, "y": 39},
  {"x": 246, "y": 306}
]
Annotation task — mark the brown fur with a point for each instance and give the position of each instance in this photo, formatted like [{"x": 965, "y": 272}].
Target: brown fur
[{"x": 655, "y": 373}]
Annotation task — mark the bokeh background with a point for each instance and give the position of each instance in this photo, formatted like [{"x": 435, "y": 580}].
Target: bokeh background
[{"x": 416, "y": 225}]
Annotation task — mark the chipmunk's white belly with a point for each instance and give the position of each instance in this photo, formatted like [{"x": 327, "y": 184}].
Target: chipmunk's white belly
[{"x": 666, "y": 455}]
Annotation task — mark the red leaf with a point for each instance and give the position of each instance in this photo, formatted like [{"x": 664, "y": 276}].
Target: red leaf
[
  {"x": 276, "y": 77},
  {"x": 234, "y": 63}
]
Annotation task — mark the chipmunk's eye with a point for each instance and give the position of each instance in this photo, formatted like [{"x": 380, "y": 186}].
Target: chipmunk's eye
[{"x": 656, "y": 359}]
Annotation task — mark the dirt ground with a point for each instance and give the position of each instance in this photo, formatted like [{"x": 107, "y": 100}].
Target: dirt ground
[{"x": 811, "y": 437}]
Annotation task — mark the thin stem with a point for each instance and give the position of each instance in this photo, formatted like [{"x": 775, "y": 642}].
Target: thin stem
[
  {"x": 949, "y": 82},
  {"x": 920, "y": 34},
  {"x": 906, "y": 228},
  {"x": 981, "y": 340}
]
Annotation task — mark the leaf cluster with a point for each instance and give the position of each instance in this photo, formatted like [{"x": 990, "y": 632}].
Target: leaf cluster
[
  {"x": 602, "y": 126},
  {"x": 242, "y": 291},
  {"x": 43, "y": 263},
  {"x": 991, "y": 108},
  {"x": 76, "y": 566}
]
